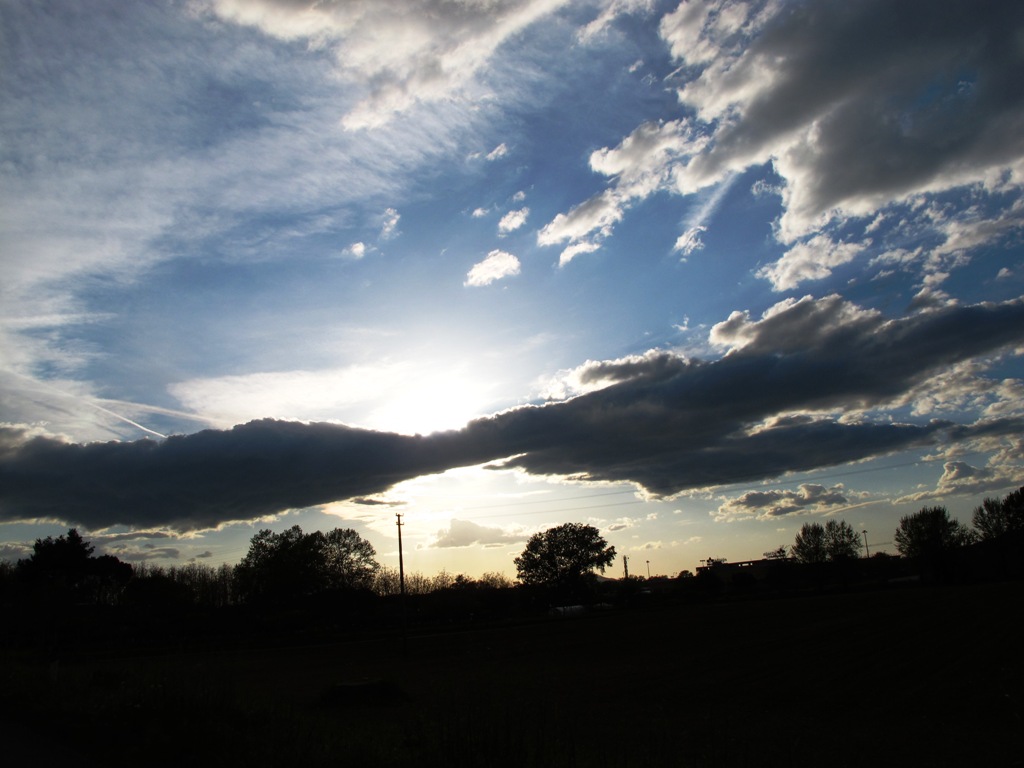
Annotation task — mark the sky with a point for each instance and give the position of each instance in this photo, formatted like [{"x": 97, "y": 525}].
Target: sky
[{"x": 694, "y": 273}]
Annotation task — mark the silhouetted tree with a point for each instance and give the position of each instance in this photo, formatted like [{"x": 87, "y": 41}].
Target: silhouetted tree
[
  {"x": 441, "y": 581},
  {"x": 564, "y": 558},
  {"x": 203, "y": 584},
  {"x": 494, "y": 580},
  {"x": 841, "y": 541},
  {"x": 809, "y": 546},
  {"x": 776, "y": 554},
  {"x": 835, "y": 541},
  {"x": 280, "y": 566},
  {"x": 7, "y": 579},
  {"x": 64, "y": 569},
  {"x": 157, "y": 590},
  {"x": 68, "y": 552},
  {"x": 385, "y": 582},
  {"x": 930, "y": 532},
  {"x": 998, "y": 517},
  {"x": 349, "y": 559}
]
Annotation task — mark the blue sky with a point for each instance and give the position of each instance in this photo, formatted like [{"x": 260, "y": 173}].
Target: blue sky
[{"x": 693, "y": 272}]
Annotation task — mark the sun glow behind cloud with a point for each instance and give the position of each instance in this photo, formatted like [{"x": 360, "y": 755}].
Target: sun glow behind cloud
[
  {"x": 432, "y": 402},
  {"x": 404, "y": 397}
]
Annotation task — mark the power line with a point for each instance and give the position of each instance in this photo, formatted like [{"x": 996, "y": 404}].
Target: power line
[
  {"x": 561, "y": 509},
  {"x": 547, "y": 501}
]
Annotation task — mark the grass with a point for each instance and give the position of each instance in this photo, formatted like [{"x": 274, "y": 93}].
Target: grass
[{"x": 911, "y": 677}]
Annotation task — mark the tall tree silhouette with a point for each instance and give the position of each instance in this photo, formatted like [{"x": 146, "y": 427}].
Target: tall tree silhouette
[
  {"x": 998, "y": 517},
  {"x": 63, "y": 569},
  {"x": 349, "y": 559},
  {"x": 841, "y": 541},
  {"x": 564, "y": 558},
  {"x": 809, "y": 545},
  {"x": 930, "y": 532},
  {"x": 281, "y": 566}
]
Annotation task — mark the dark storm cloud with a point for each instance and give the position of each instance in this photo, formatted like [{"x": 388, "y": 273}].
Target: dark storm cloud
[
  {"x": 668, "y": 424},
  {"x": 204, "y": 479}
]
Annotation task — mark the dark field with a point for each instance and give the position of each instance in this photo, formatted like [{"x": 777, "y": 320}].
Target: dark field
[{"x": 915, "y": 676}]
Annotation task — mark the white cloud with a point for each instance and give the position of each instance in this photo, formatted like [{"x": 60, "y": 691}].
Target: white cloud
[
  {"x": 613, "y": 10},
  {"x": 400, "y": 52},
  {"x": 689, "y": 241},
  {"x": 594, "y": 375},
  {"x": 498, "y": 152},
  {"x": 479, "y": 213},
  {"x": 497, "y": 265},
  {"x": 512, "y": 221},
  {"x": 700, "y": 32},
  {"x": 354, "y": 251},
  {"x": 811, "y": 260},
  {"x": 792, "y": 324},
  {"x": 762, "y": 188},
  {"x": 642, "y": 161},
  {"x": 770, "y": 505},
  {"x": 696, "y": 221},
  {"x": 962, "y": 479},
  {"x": 574, "y": 250},
  {"x": 596, "y": 215},
  {"x": 641, "y": 165},
  {"x": 465, "y": 533},
  {"x": 971, "y": 229},
  {"x": 389, "y": 224}
]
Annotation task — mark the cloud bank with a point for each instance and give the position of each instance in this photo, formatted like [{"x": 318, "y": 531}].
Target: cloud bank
[{"x": 809, "y": 372}]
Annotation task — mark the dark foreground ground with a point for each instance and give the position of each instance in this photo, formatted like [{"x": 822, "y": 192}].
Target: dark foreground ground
[{"x": 916, "y": 676}]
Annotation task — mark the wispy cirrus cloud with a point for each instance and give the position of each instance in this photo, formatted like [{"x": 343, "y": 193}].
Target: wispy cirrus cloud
[{"x": 400, "y": 53}]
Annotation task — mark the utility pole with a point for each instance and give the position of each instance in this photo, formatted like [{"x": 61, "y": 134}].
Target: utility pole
[
  {"x": 401, "y": 565},
  {"x": 625, "y": 565},
  {"x": 401, "y": 584},
  {"x": 866, "y": 552}
]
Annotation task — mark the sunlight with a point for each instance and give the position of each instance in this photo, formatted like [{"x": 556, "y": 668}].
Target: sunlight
[
  {"x": 432, "y": 402},
  {"x": 407, "y": 397}
]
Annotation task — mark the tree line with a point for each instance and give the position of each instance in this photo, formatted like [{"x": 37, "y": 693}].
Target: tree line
[
  {"x": 928, "y": 532},
  {"x": 558, "y": 564},
  {"x": 277, "y": 568}
]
